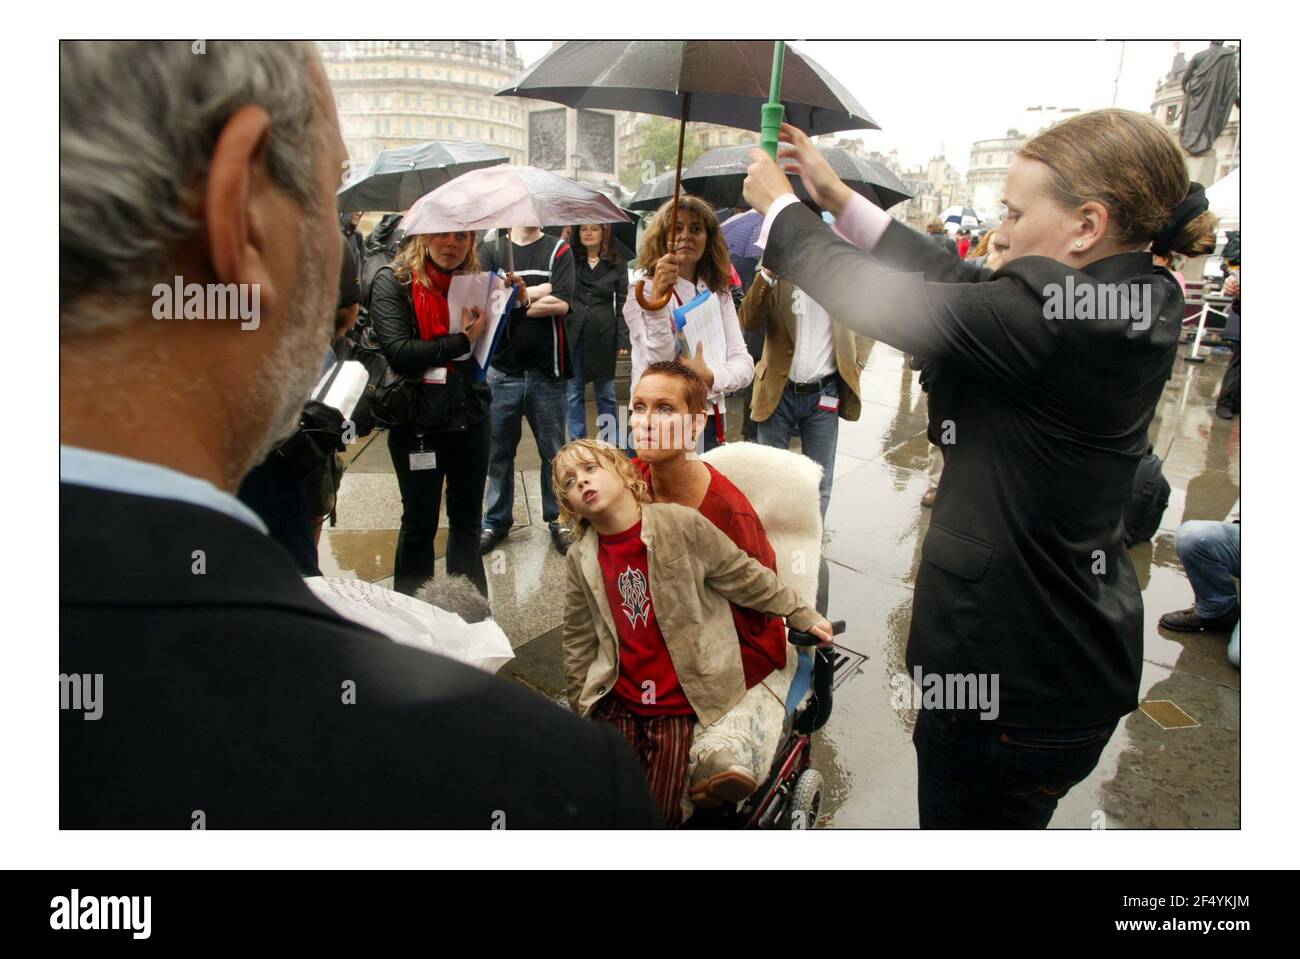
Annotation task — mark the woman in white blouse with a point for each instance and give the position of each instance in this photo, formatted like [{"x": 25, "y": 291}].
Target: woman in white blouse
[{"x": 700, "y": 263}]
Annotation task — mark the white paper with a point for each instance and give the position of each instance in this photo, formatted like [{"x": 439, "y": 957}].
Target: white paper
[
  {"x": 411, "y": 622},
  {"x": 475, "y": 291},
  {"x": 704, "y": 324}
]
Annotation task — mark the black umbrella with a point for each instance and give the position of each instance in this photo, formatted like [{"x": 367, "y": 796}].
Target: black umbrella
[
  {"x": 652, "y": 193},
  {"x": 397, "y": 178},
  {"x": 889, "y": 189},
  {"x": 719, "y": 177},
  {"x": 625, "y": 234},
  {"x": 728, "y": 82}
]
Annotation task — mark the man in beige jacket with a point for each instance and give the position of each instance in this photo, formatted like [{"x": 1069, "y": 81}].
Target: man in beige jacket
[
  {"x": 650, "y": 644},
  {"x": 808, "y": 377}
]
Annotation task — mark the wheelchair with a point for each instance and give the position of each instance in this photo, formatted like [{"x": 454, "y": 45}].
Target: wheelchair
[{"x": 791, "y": 795}]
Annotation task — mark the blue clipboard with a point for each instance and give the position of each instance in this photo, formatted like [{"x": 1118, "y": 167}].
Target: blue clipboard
[
  {"x": 679, "y": 320},
  {"x": 480, "y": 372}
]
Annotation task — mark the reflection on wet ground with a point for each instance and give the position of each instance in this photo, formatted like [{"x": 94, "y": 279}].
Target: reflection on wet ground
[{"x": 1149, "y": 776}]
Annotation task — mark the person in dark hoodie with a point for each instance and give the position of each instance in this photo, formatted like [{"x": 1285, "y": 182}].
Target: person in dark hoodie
[
  {"x": 277, "y": 489},
  {"x": 380, "y": 250}
]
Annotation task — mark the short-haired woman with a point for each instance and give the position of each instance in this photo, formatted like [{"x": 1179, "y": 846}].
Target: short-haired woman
[
  {"x": 701, "y": 262},
  {"x": 448, "y": 437},
  {"x": 1045, "y": 377}
]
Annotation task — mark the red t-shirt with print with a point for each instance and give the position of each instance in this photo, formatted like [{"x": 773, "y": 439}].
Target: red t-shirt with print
[
  {"x": 642, "y": 653},
  {"x": 762, "y": 637}
]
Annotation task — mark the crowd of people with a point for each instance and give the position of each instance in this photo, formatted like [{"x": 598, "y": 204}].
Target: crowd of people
[{"x": 675, "y": 615}]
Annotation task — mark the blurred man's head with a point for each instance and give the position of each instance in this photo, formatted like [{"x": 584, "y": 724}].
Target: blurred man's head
[
  {"x": 668, "y": 411},
  {"x": 218, "y": 166}
]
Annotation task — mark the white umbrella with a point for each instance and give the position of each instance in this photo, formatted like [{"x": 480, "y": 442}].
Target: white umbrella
[{"x": 960, "y": 217}]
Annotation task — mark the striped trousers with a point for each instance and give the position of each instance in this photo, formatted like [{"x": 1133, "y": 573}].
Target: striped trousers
[{"x": 663, "y": 746}]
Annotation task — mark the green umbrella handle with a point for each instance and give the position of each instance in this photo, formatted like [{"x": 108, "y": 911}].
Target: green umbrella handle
[{"x": 773, "y": 109}]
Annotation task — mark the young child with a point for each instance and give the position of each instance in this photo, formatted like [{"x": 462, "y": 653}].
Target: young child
[{"x": 650, "y": 644}]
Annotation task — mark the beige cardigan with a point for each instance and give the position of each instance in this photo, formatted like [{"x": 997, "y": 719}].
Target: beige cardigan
[{"x": 695, "y": 573}]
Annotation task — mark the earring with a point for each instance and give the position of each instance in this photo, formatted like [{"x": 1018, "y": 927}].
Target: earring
[{"x": 1078, "y": 244}]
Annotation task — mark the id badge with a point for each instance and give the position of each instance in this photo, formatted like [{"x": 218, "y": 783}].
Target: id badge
[
  {"x": 426, "y": 460},
  {"x": 435, "y": 375},
  {"x": 828, "y": 403}
]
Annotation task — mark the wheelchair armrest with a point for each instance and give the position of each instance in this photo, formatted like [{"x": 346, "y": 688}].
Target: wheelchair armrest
[{"x": 797, "y": 638}]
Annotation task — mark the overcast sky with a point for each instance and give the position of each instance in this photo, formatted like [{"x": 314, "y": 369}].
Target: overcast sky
[{"x": 941, "y": 94}]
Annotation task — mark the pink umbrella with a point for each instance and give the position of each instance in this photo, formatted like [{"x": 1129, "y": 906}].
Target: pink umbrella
[{"x": 506, "y": 196}]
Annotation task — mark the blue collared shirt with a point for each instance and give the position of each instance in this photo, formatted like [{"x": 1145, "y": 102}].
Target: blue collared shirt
[{"x": 123, "y": 475}]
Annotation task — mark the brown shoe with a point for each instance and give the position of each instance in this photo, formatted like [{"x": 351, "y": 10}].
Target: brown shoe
[
  {"x": 928, "y": 499},
  {"x": 1186, "y": 621},
  {"x": 719, "y": 779}
]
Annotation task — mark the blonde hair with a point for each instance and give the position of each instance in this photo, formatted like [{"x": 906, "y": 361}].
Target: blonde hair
[
  {"x": 1128, "y": 163},
  {"x": 602, "y": 454},
  {"x": 414, "y": 259},
  {"x": 714, "y": 267}
]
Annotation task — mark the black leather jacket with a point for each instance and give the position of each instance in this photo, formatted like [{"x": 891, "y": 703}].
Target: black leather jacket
[{"x": 450, "y": 407}]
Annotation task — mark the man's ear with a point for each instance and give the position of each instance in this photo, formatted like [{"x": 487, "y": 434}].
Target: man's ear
[{"x": 237, "y": 178}]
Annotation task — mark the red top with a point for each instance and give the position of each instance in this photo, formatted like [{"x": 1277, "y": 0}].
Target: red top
[
  {"x": 642, "y": 653},
  {"x": 762, "y": 637}
]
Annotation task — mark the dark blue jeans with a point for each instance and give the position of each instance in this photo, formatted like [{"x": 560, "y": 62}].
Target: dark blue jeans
[
  {"x": 540, "y": 399},
  {"x": 606, "y": 402},
  {"x": 818, "y": 430},
  {"x": 973, "y": 774}
]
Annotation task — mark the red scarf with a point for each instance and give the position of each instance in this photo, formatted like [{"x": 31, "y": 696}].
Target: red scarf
[{"x": 431, "y": 311}]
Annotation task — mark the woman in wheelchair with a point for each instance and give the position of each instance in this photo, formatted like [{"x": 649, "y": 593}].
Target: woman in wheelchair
[{"x": 650, "y": 644}]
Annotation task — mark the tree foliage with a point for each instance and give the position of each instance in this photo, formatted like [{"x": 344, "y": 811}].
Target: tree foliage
[{"x": 659, "y": 146}]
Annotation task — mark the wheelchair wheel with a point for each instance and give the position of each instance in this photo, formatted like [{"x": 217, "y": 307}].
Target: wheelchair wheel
[{"x": 805, "y": 801}]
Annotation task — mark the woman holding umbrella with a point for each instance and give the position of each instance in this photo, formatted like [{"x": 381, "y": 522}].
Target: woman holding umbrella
[
  {"x": 596, "y": 330},
  {"x": 448, "y": 436},
  {"x": 701, "y": 262},
  {"x": 1024, "y": 583}
]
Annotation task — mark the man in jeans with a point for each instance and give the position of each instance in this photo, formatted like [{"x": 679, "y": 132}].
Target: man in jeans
[
  {"x": 1211, "y": 554},
  {"x": 808, "y": 377},
  {"x": 529, "y": 376}
]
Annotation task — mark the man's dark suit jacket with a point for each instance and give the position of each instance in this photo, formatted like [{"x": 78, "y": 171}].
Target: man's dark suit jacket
[
  {"x": 1024, "y": 573},
  {"x": 223, "y": 692}
]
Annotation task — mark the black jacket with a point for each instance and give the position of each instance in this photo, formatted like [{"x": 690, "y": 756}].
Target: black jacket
[
  {"x": 224, "y": 692},
  {"x": 595, "y": 324},
  {"x": 447, "y": 407},
  {"x": 945, "y": 242},
  {"x": 1049, "y": 418}
]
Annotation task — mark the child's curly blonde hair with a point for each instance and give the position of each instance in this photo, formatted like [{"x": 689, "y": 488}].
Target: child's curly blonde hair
[{"x": 602, "y": 454}]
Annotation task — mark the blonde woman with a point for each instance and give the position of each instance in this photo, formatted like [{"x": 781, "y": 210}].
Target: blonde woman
[
  {"x": 701, "y": 263},
  {"x": 1043, "y": 409},
  {"x": 447, "y": 436}
]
